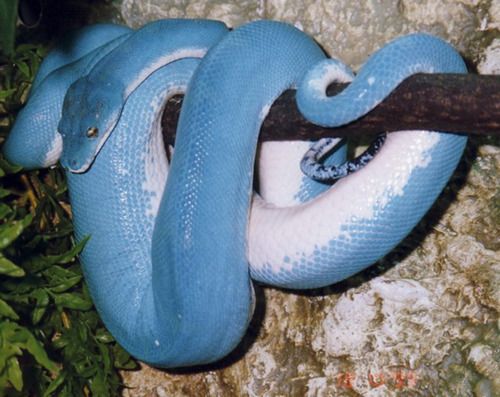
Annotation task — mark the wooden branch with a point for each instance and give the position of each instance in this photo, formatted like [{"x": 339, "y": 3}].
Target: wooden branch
[{"x": 468, "y": 104}]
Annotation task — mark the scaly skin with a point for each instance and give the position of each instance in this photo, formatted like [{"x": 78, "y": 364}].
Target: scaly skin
[{"x": 167, "y": 264}]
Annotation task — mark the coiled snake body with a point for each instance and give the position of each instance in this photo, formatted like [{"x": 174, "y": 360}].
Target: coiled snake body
[{"x": 168, "y": 264}]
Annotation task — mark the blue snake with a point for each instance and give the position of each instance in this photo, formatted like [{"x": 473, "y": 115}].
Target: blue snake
[{"x": 169, "y": 264}]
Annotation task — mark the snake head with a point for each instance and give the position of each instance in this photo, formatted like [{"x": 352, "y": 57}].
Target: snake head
[{"x": 89, "y": 114}]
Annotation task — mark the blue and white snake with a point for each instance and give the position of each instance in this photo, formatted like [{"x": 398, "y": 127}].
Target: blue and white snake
[{"x": 169, "y": 265}]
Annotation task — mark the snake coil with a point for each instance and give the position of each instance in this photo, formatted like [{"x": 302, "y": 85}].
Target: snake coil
[{"x": 170, "y": 260}]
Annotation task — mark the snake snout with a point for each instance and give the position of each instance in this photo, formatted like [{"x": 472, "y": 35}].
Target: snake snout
[
  {"x": 88, "y": 118},
  {"x": 79, "y": 149}
]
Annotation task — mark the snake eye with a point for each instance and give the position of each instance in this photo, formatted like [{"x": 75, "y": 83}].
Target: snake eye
[{"x": 92, "y": 132}]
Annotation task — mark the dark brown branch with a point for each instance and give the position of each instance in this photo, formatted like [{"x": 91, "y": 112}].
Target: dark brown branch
[{"x": 468, "y": 104}]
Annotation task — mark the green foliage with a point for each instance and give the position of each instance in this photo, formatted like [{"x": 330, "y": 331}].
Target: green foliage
[
  {"x": 8, "y": 18},
  {"x": 52, "y": 342}
]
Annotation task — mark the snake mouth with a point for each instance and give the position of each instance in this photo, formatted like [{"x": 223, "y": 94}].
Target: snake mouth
[
  {"x": 77, "y": 158},
  {"x": 73, "y": 165}
]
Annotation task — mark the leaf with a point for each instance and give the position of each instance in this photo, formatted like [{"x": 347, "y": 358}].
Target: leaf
[
  {"x": 8, "y": 167},
  {"x": 73, "y": 252},
  {"x": 42, "y": 301},
  {"x": 37, "y": 351},
  {"x": 4, "y": 383},
  {"x": 5, "y": 94},
  {"x": 24, "y": 69},
  {"x": 8, "y": 18},
  {"x": 20, "y": 288},
  {"x": 59, "y": 342},
  {"x": 5, "y": 211},
  {"x": 61, "y": 279},
  {"x": 42, "y": 262},
  {"x": 83, "y": 334},
  {"x": 9, "y": 268},
  {"x": 74, "y": 300},
  {"x": 7, "y": 352},
  {"x": 9, "y": 232},
  {"x": 67, "y": 284},
  {"x": 55, "y": 384},
  {"x": 4, "y": 192},
  {"x": 14, "y": 373},
  {"x": 27, "y": 48},
  {"x": 98, "y": 385},
  {"x": 16, "y": 337},
  {"x": 123, "y": 360},
  {"x": 7, "y": 311},
  {"x": 103, "y": 336}
]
